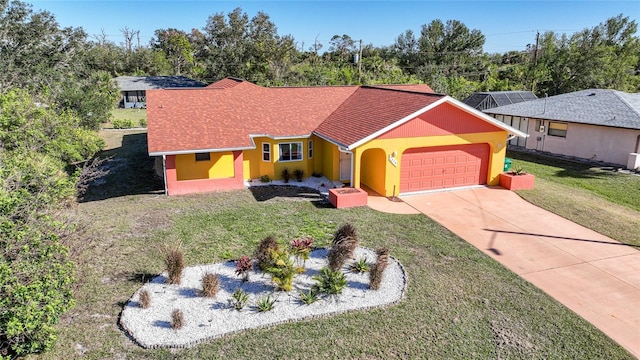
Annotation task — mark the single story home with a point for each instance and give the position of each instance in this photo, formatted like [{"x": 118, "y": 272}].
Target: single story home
[
  {"x": 133, "y": 88},
  {"x": 394, "y": 139},
  {"x": 595, "y": 124}
]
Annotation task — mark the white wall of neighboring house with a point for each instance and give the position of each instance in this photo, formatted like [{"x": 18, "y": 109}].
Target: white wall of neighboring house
[{"x": 600, "y": 143}]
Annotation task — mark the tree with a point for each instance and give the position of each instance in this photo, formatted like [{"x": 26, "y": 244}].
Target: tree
[{"x": 176, "y": 47}]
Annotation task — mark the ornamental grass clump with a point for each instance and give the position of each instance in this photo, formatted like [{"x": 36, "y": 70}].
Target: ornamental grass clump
[
  {"x": 375, "y": 274},
  {"x": 174, "y": 262},
  {"x": 345, "y": 242},
  {"x": 243, "y": 266},
  {"x": 210, "y": 285},
  {"x": 145, "y": 299},
  {"x": 177, "y": 319},
  {"x": 262, "y": 255}
]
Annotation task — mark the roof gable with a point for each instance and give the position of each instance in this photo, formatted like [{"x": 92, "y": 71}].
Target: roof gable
[
  {"x": 594, "y": 106},
  {"x": 443, "y": 119}
]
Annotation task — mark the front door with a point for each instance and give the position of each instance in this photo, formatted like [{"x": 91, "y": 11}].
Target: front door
[{"x": 345, "y": 166}]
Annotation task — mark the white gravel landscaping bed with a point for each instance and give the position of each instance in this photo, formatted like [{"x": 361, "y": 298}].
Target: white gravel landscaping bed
[{"x": 207, "y": 318}]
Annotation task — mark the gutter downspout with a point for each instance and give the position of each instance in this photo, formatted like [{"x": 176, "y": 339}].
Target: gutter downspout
[{"x": 164, "y": 174}]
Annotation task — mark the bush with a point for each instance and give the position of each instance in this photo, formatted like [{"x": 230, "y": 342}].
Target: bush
[
  {"x": 145, "y": 299},
  {"x": 286, "y": 175},
  {"x": 265, "y": 179},
  {"x": 263, "y": 252},
  {"x": 375, "y": 275},
  {"x": 299, "y": 174},
  {"x": 177, "y": 319},
  {"x": 329, "y": 282},
  {"x": 282, "y": 269},
  {"x": 142, "y": 122},
  {"x": 210, "y": 285},
  {"x": 243, "y": 266},
  {"x": 301, "y": 248},
  {"x": 122, "y": 123},
  {"x": 174, "y": 262}
]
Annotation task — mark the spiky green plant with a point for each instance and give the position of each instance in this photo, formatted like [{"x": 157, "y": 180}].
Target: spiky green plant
[
  {"x": 375, "y": 275},
  {"x": 360, "y": 266},
  {"x": 329, "y": 282},
  {"x": 239, "y": 299},
  {"x": 266, "y": 303},
  {"x": 309, "y": 297}
]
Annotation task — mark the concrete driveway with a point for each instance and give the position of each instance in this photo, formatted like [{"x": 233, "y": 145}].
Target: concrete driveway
[{"x": 593, "y": 275}]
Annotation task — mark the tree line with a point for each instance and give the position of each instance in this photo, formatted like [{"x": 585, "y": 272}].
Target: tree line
[{"x": 56, "y": 89}]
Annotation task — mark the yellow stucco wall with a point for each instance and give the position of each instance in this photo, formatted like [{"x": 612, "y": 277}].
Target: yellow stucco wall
[
  {"x": 384, "y": 169},
  {"x": 219, "y": 166},
  {"x": 329, "y": 159},
  {"x": 254, "y": 167}
]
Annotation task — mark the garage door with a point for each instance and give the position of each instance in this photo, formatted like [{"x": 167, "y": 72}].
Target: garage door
[{"x": 444, "y": 167}]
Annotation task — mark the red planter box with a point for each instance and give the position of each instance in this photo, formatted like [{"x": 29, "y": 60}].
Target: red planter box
[
  {"x": 512, "y": 181},
  {"x": 347, "y": 197}
]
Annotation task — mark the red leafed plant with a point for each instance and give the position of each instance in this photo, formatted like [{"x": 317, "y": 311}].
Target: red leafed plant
[
  {"x": 243, "y": 265},
  {"x": 301, "y": 247}
]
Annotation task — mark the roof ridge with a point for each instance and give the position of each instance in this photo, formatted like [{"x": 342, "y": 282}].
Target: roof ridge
[
  {"x": 381, "y": 87},
  {"x": 618, "y": 93}
]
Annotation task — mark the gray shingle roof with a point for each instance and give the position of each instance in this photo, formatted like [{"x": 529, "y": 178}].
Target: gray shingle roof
[
  {"x": 132, "y": 83},
  {"x": 594, "y": 106},
  {"x": 491, "y": 99}
]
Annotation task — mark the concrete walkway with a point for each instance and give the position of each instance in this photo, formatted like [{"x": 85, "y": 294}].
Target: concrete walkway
[{"x": 591, "y": 274}]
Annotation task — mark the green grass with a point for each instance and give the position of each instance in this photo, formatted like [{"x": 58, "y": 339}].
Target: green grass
[
  {"x": 602, "y": 200},
  {"x": 460, "y": 303},
  {"x": 133, "y": 115}
]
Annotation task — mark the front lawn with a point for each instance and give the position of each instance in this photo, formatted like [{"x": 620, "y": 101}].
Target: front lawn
[
  {"x": 603, "y": 200},
  {"x": 460, "y": 303}
]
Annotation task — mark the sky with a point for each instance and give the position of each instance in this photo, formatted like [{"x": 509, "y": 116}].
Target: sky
[{"x": 507, "y": 25}]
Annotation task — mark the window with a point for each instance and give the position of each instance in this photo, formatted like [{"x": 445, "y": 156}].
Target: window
[
  {"x": 290, "y": 151},
  {"x": 557, "y": 129},
  {"x": 310, "y": 149},
  {"x": 203, "y": 156},
  {"x": 266, "y": 152}
]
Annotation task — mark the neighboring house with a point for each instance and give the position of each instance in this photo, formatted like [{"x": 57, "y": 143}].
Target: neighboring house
[
  {"x": 393, "y": 139},
  {"x": 594, "y": 124},
  {"x": 133, "y": 88},
  {"x": 490, "y": 99}
]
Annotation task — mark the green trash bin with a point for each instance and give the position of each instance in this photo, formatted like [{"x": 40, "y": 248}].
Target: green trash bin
[{"x": 507, "y": 164}]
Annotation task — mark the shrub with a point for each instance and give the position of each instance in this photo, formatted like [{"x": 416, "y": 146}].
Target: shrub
[
  {"x": 282, "y": 270},
  {"x": 263, "y": 252},
  {"x": 301, "y": 248},
  {"x": 299, "y": 174},
  {"x": 122, "y": 123},
  {"x": 174, "y": 261},
  {"x": 316, "y": 174},
  {"x": 375, "y": 275},
  {"x": 243, "y": 266},
  {"x": 239, "y": 299},
  {"x": 210, "y": 285},
  {"x": 329, "y": 281},
  {"x": 360, "y": 266},
  {"x": 142, "y": 122},
  {"x": 309, "y": 297},
  {"x": 345, "y": 231},
  {"x": 177, "y": 319},
  {"x": 286, "y": 175},
  {"x": 265, "y": 178},
  {"x": 145, "y": 299},
  {"x": 265, "y": 303}
]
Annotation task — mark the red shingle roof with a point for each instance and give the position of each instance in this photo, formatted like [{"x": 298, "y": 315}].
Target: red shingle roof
[
  {"x": 224, "y": 118},
  {"x": 369, "y": 110},
  {"x": 423, "y": 88}
]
